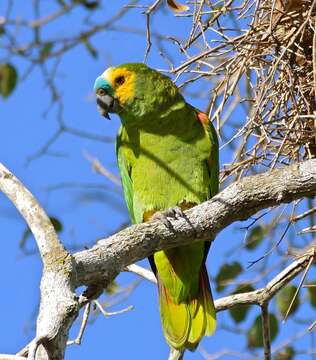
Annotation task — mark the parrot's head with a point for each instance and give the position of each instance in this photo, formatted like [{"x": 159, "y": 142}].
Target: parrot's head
[{"x": 134, "y": 91}]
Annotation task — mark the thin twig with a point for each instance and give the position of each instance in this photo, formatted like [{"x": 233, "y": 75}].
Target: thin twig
[
  {"x": 107, "y": 314},
  {"x": 299, "y": 287},
  {"x": 266, "y": 331},
  {"x": 145, "y": 273},
  {"x": 84, "y": 322}
]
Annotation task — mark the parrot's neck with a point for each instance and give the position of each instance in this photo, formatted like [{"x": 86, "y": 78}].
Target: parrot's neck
[{"x": 156, "y": 112}]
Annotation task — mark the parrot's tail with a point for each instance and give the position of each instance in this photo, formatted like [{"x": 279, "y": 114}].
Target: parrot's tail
[{"x": 185, "y": 323}]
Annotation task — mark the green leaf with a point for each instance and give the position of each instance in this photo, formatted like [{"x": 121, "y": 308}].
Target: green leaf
[
  {"x": 285, "y": 354},
  {"x": 254, "y": 334},
  {"x": 255, "y": 237},
  {"x": 46, "y": 49},
  {"x": 2, "y": 31},
  {"x": 239, "y": 313},
  {"x": 90, "y": 48},
  {"x": 88, "y": 4},
  {"x": 311, "y": 291},
  {"x": 26, "y": 233},
  {"x": 284, "y": 298},
  {"x": 8, "y": 79},
  {"x": 58, "y": 226},
  {"x": 112, "y": 288},
  {"x": 227, "y": 273}
]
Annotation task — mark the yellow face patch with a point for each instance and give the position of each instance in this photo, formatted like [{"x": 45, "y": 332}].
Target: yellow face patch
[{"x": 122, "y": 81}]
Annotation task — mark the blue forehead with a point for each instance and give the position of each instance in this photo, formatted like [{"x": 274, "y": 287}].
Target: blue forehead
[{"x": 100, "y": 83}]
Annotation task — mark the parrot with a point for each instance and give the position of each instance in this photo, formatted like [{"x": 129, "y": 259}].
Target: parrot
[{"x": 167, "y": 154}]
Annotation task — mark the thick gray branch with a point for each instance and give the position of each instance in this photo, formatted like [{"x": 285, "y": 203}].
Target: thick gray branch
[
  {"x": 32, "y": 212},
  {"x": 58, "y": 306},
  {"x": 237, "y": 202}
]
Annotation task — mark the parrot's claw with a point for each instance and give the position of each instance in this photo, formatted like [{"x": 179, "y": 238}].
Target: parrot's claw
[{"x": 173, "y": 213}]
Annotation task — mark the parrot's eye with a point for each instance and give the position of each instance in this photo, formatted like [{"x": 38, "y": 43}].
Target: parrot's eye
[
  {"x": 120, "y": 80},
  {"x": 101, "y": 92}
]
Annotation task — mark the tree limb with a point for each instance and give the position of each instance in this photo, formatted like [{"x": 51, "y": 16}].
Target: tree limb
[
  {"x": 237, "y": 202},
  {"x": 58, "y": 305},
  {"x": 263, "y": 295},
  {"x": 34, "y": 215}
]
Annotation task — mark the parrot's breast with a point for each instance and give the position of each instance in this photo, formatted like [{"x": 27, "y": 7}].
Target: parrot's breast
[{"x": 167, "y": 170}]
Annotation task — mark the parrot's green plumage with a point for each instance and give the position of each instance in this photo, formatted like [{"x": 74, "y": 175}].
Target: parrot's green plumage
[{"x": 168, "y": 156}]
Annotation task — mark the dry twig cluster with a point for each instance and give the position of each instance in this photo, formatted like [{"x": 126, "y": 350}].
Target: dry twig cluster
[{"x": 264, "y": 52}]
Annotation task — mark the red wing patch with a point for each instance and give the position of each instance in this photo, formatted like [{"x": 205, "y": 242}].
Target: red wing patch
[{"x": 202, "y": 117}]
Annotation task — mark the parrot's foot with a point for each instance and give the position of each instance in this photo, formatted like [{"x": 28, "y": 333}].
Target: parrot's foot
[{"x": 173, "y": 213}]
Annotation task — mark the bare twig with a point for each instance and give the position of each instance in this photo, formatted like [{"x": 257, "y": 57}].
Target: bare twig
[
  {"x": 148, "y": 14},
  {"x": 145, "y": 273},
  {"x": 266, "y": 331},
  {"x": 299, "y": 287},
  {"x": 84, "y": 322},
  {"x": 263, "y": 295},
  {"x": 98, "y": 167},
  {"x": 112, "y": 313}
]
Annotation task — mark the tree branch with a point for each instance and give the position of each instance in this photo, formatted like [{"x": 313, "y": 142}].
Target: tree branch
[
  {"x": 263, "y": 295},
  {"x": 34, "y": 215},
  {"x": 58, "y": 306},
  {"x": 145, "y": 273},
  {"x": 237, "y": 202}
]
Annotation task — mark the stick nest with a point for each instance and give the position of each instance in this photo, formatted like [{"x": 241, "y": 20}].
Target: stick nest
[{"x": 271, "y": 61}]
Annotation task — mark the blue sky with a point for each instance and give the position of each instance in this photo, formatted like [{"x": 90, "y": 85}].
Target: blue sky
[{"x": 88, "y": 214}]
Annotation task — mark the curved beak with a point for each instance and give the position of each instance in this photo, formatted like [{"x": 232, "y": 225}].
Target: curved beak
[{"x": 105, "y": 104}]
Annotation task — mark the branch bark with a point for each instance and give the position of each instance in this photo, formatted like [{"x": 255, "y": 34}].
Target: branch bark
[
  {"x": 58, "y": 305},
  {"x": 202, "y": 223}
]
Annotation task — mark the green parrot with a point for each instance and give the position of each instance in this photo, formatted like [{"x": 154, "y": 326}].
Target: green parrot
[{"x": 167, "y": 153}]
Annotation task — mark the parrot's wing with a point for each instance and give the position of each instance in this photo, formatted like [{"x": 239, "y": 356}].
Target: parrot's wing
[
  {"x": 125, "y": 176},
  {"x": 213, "y": 160}
]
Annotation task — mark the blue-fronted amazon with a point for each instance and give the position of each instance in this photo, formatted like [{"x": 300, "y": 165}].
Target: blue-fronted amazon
[{"x": 167, "y": 153}]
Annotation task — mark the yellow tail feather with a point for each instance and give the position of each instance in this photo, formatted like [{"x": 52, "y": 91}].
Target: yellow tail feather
[
  {"x": 185, "y": 324},
  {"x": 175, "y": 319}
]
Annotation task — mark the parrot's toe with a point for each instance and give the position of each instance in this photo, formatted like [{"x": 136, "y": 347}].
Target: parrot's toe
[{"x": 173, "y": 213}]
